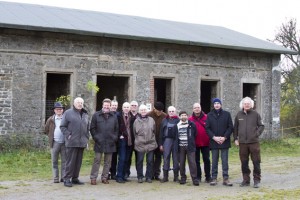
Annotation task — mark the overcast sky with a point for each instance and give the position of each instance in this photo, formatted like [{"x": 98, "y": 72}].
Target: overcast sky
[{"x": 258, "y": 18}]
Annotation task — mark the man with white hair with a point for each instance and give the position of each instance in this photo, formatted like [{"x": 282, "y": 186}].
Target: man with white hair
[
  {"x": 124, "y": 142},
  {"x": 133, "y": 115},
  {"x": 75, "y": 127},
  {"x": 168, "y": 144},
  {"x": 248, "y": 127},
  {"x": 144, "y": 143}
]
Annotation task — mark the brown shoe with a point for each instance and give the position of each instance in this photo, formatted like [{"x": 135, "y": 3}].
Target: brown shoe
[
  {"x": 93, "y": 182},
  {"x": 105, "y": 181},
  {"x": 226, "y": 182}
]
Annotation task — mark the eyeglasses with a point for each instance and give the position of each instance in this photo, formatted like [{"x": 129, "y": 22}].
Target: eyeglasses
[
  {"x": 133, "y": 105},
  {"x": 171, "y": 111}
]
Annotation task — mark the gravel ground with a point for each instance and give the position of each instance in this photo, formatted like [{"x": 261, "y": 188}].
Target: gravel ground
[{"x": 278, "y": 174}]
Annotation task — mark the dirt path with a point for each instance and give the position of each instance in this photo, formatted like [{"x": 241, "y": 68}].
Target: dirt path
[{"x": 278, "y": 174}]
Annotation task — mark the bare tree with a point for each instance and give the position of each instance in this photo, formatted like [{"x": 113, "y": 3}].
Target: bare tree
[{"x": 288, "y": 36}]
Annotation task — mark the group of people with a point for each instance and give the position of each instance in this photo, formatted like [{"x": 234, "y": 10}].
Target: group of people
[{"x": 156, "y": 135}]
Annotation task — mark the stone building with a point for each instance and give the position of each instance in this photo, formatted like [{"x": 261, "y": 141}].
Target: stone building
[{"x": 46, "y": 52}]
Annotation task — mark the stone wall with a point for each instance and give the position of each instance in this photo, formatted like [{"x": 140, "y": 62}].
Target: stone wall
[
  {"x": 27, "y": 56},
  {"x": 5, "y": 99}
]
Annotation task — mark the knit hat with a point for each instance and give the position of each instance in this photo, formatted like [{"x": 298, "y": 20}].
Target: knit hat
[
  {"x": 215, "y": 100},
  {"x": 159, "y": 106}
]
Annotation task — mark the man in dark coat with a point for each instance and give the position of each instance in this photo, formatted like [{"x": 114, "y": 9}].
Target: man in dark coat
[
  {"x": 219, "y": 128},
  {"x": 125, "y": 144},
  {"x": 133, "y": 115},
  {"x": 158, "y": 115},
  {"x": 75, "y": 127},
  {"x": 104, "y": 130}
]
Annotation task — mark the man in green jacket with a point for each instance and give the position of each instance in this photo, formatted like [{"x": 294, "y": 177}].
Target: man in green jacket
[{"x": 248, "y": 127}]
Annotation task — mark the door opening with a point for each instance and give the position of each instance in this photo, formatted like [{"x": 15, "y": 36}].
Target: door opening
[
  {"x": 56, "y": 86},
  {"x": 162, "y": 91},
  {"x": 112, "y": 87},
  {"x": 208, "y": 92},
  {"x": 252, "y": 90}
]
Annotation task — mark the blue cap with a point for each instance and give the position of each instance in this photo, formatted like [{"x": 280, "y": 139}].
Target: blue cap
[
  {"x": 58, "y": 105},
  {"x": 215, "y": 100}
]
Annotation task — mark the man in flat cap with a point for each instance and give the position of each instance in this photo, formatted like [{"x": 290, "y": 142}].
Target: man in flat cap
[{"x": 56, "y": 141}]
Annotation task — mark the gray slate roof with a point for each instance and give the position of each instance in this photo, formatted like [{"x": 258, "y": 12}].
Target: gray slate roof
[{"x": 54, "y": 19}]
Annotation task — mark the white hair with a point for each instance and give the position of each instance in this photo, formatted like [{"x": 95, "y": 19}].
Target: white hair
[
  {"x": 171, "y": 107},
  {"x": 78, "y": 99},
  {"x": 246, "y": 99},
  {"x": 143, "y": 106},
  {"x": 126, "y": 104}
]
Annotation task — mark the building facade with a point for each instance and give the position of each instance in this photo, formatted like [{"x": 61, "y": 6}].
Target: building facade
[{"x": 37, "y": 66}]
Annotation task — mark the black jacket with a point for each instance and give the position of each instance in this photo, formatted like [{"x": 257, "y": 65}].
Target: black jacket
[
  {"x": 104, "y": 131},
  {"x": 219, "y": 124},
  {"x": 122, "y": 127}
]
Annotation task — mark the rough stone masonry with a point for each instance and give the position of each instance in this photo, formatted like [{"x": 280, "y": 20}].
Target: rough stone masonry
[{"x": 27, "y": 57}]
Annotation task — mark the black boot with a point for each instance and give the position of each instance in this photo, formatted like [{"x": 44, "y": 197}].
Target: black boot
[
  {"x": 166, "y": 176},
  {"x": 176, "y": 176}
]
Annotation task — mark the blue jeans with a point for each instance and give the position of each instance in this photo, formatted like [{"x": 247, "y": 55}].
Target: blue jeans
[
  {"x": 206, "y": 160},
  {"x": 139, "y": 164},
  {"x": 123, "y": 158},
  {"x": 215, "y": 160},
  {"x": 128, "y": 163}
]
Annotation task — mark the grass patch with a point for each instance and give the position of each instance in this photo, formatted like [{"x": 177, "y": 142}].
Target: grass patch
[
  {"x": 282, "y": 147},
  {"x": 34, "y": 164}
]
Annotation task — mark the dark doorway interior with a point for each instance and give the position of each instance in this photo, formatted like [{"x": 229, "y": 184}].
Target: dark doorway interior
[
  {"x": 208, "y": 92},
  {"x": 56, "y": 85},
  {"x": 251, "y": 90},
  {"x": 162, "y": 91},
  {"x": 112, "y": 87}
]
